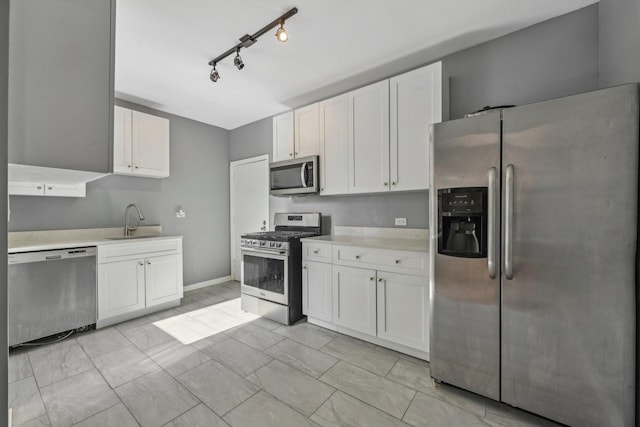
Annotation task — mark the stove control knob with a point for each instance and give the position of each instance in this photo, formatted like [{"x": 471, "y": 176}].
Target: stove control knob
[
  {"x": 254, "y": 242},
  {"x": 279, "y": 245},
  {"x": 263, "y": 243},
  {"x": 272, "y": 244}
]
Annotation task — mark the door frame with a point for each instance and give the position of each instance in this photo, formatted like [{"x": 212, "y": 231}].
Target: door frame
[{"x": 232, "y": 199}]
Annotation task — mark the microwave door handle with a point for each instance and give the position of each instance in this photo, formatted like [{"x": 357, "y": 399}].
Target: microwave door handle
[{"x": 303, "y": 175}]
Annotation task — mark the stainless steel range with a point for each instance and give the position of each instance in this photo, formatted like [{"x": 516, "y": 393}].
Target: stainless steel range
[{"x": 271, "y": 280}]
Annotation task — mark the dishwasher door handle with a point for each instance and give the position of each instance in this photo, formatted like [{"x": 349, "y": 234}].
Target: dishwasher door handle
[{"x": 52, "y": 257}]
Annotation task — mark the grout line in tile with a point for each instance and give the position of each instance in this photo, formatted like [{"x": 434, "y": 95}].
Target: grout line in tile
[
  {"x": 259, "y": 390},
  {"x": 409, "y": 405},
  {"x": 335, "y": 390}
]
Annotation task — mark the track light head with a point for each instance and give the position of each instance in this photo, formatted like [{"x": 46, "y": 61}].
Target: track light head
[
  {"x": 237, "y": 61},
  {"x": 281, "y": 34},
  {"x": 214, "y": 76}
]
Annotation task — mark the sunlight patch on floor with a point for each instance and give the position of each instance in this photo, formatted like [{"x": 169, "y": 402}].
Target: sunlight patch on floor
[{"x": 205, "y": 322}]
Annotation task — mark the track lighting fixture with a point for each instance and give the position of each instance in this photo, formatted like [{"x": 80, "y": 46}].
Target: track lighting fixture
[
  {"x": 248, "y": 40},
  {"x": 281, "y": 34},
  {"x": 237, "y": 61},
  {"x": 214, "y": 76}
]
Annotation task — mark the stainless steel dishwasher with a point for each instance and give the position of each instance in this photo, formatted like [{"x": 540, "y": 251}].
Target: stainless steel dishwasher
[{"x": 51, "y": 292}]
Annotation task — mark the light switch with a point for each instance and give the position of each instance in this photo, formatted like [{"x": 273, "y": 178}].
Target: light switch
[
  {"x": 181, "y": 213},
  {"x": 401, "y": 221}
]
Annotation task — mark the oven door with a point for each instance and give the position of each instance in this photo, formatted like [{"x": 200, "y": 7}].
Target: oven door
[{"x": 265, "y": 274}]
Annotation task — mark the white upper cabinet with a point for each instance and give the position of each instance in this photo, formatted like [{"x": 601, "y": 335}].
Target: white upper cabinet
[
  {"x": 334, "y": 146},
  {"x": 306, "y": 131},
  {"x": 416, "y": 101},
  {"x": 296, "y": 134},
  {"x": 283, "y": 148},
  {"x": 141, "y": 144},
  {"x": 368, "y": 120},
  {"x": 122, "y": 139}
]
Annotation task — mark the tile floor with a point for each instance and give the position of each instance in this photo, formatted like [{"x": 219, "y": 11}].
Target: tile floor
[{"x": 248, "y": 372}]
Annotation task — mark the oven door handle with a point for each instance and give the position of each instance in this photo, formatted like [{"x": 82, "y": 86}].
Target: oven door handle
[{"x": 264, "y": 251}]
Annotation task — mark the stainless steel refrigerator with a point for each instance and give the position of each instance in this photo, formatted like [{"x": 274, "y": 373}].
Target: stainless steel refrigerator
[{"x": 534, "y": 254}]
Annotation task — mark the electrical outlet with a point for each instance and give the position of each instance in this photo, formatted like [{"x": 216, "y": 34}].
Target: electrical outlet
[
  {"x": 181, "y": 213},
  {"x": 401, "y": 221}
]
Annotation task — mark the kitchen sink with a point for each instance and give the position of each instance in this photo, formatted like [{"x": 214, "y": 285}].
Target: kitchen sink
[{"x": 140, "y": 236}]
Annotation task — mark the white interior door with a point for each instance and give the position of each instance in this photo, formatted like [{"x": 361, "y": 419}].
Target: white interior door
[{"x": 249, "y": 202}]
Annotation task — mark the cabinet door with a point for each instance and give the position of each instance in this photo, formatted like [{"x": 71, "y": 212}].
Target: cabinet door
[
  {"x": 150, "y": 145},
  {"x": 307, "y": 131},
  {"x": 317, "y": 297},
  {"x": 369, "y": 138},
  {"x": 19, "y": 188},
  {"x": 66, "y": 190},
  {"x": 283, "y": 137},
  {"x": 334, "y": 146},
  {"x": 163, "y": 279},
  {"x": 416, "y": 103},
  {"x": 120, "y": 287},
  {"x": 354, "y": 299},
  {"x": 122, "y": 149},
  {"x": 403, "y": 309}
]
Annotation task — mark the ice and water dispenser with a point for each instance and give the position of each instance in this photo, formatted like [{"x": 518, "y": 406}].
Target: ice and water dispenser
[{"x": 462, "y": 222}]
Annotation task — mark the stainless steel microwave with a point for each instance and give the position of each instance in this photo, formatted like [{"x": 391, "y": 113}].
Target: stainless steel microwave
[{"x": 296, "y": 176}]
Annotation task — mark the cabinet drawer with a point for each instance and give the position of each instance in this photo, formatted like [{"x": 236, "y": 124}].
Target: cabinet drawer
[
  {"x": 137, "y": 249},
  {"x": 381, "y": 259},
  {"x": 316, "y": 252}
]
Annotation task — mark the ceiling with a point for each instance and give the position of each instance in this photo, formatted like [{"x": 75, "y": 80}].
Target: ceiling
[{"x": 163, "y": 48}]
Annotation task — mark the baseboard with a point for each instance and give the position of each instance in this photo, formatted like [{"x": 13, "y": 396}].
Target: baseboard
[{"x": 206, "y": 283}]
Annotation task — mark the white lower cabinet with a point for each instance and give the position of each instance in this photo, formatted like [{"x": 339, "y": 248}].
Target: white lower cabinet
[
  {"x": 377, "y": 295},
  {"x": 403, "y": 301},
  {"x": 121, "y": 288},
  {"x": 354, "y": 299},
  {"x": 163, "y": 279},
  {"x": 134, "y": 277},
  {"x": 317, "y": 293}
]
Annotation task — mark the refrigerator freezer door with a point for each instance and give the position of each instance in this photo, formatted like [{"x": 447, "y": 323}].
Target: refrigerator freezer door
[
  {"x": 568, "y": 314},
  {"x": 465, "y": 334}
]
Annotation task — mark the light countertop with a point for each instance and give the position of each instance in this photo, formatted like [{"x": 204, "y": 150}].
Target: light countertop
[
  {"x": 28, "y": 241},
  {"x": 402, "y": 239}
]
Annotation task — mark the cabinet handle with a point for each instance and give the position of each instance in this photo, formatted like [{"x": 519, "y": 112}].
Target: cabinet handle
[
  {"x": 357, "y": 256},
  {"x": 304, "y": 267},
  {"x": 136, "y": 167},
  {"x": 39, "y": 187},
  {"x": 295, "y": 154},
  {"x": 321, "y": 189},
  {"x": 386, "y": 183},
  {"x": 290, "y": 154},
  {"x": 371, "y": 279},
  {"x": 49, "y": 188},
  {"x": 380, "y": 279},
  {"x": 128, "y": 166},
  {"x": 148, "y": 262},
  {"x": 140, "y": 263},
  {"x": 393, "y": 183},
  {"x": 397, "y": 261},
  {"x": 316, "y": 251}
]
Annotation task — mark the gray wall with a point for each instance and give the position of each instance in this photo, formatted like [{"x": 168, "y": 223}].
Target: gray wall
[
  {"x": 4, "y": 67},
  {"x": 554, "y": 58},
  {"x": 619, "y": 42},
  {"x": 199, "y": 184}
]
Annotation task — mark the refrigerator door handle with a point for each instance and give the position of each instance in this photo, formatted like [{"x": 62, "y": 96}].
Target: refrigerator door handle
[
  {"x": 491, "y": 225},
  {"x": 508, "y": 225}
]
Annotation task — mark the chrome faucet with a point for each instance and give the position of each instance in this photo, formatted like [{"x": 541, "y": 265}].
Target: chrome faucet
[{"x": 127, "y": 228}]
